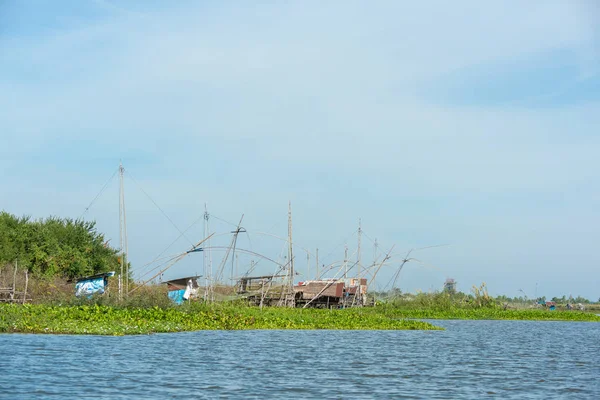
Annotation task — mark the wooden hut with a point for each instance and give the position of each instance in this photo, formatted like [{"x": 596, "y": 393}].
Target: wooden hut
[{"x": 182, "y": 289}]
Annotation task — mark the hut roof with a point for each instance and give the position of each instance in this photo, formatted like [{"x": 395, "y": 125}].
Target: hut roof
[
  {"x": 183, "y": 281},
  {"x": 87, "y": 278}
]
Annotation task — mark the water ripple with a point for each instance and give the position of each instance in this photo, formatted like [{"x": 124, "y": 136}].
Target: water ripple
[{"x": 470, "y": 360}]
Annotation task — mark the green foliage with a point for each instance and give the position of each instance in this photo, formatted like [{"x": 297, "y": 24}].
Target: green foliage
[
  {"x": 55, "y": 247},
  {"x": 581, "y": 299},
  {"x": 477, "y": 305},
  {"x": 495, "y": 313},
  {"x": 123, "y": 320},
  {"x": 442, "y": 301},
  {"x": 106, "y": 320}
]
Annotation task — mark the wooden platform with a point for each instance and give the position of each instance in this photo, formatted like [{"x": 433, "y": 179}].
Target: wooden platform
[{"x": 11, "y": 294}]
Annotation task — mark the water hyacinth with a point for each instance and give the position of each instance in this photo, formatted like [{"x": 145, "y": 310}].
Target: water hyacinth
[
  {"x": 101, "y": 319},
  {"x": 107, "y": 320}
]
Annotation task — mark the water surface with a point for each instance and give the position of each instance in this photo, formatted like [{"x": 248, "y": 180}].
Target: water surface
[{"x": 469, "y": 360}]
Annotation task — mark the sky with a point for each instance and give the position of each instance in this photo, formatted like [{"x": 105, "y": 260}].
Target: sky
[{"x": 468, "y": 124}]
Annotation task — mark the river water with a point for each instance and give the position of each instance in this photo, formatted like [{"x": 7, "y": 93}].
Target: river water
[{"x": 469, "y": 360}]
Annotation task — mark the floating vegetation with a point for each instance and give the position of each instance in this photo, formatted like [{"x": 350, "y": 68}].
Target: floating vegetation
[{"x": 107, "y": 320}]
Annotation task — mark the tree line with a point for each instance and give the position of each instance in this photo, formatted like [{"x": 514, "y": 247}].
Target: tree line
[
  {"x": 396, "y": 293},
  {"x": 55, "y": 247}
]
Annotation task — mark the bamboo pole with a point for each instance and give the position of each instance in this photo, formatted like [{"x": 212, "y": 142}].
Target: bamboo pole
[
  {"x": 170, "y": 265},
  {"x": 25, "y": 291},
  {"x": 385, "y": 258},
  {"x": 14, "y": 288}
]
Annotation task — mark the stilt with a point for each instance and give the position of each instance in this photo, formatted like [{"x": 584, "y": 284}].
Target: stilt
[
  {"x": 25, "y": 290},
  {"x": 291, "y": 300}
]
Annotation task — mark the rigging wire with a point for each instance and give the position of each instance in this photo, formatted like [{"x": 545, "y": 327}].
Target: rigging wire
[
  {"x": 99, "y": 194},
  {"x": 340, "y": 245},
  {"x": 155, "y": 260},
  {"x": 178, "y": 258},
  {"x": 375, "y": 242},
  {"x": 367, "y": 236},
  {"x": 167, "y": 248},
  {"x": 222, "y": 220},
  {"x": 167, "y": 260},
  {"x": 160, "y": 209},
  {"x": 295, "y": 245}
]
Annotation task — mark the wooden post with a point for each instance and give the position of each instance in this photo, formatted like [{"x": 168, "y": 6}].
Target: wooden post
[
  {"x": 25, "y": 291},
  {"x": 307, "y": 265},
  {"x": 291, "y": 257},
  {"x": 14, "y": 288},
  {"x": 317, "y": 276},
  {"x": 358, "y": 259}
]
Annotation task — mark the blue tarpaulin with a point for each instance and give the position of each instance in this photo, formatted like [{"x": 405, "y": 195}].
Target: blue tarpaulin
[
  {"x": 90, "y": 286},
  {"x": 177, "y": 295}
]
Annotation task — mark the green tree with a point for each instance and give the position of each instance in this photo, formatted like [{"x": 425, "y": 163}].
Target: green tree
[
  {"x": 54, "y": 246},
  {"x": 580, "y": 299}
]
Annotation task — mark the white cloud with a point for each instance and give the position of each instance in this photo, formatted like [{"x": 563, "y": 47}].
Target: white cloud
[{"x": 283, "y": 93}]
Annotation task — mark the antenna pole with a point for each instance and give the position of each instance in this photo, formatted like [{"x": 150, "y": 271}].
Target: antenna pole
[
  {"x": 358, "y": 266},
  {"x": 307, "y": 264},
  {"x": 346, "y": 262},
  {"x": 375, "y": 248},
  {"x": 121, "y": 233},
  {"x": 385, "y": 258},
  {"x": 126, "y": 255},
  {"x": 317, "y": 263},
  {"x": 235, "y": 236},
  {"x": 206, "y": 258},
  {"x": 290, "y": 254}
]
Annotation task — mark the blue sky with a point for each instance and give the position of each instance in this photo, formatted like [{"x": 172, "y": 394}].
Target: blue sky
[{"x": 468, "y": 123}]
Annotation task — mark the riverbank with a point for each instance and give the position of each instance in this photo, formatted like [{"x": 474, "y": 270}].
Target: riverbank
[{"x": 107, "y": 320}]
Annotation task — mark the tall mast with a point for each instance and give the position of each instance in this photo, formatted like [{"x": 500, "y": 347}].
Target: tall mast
[
  {"x": 126, "y": 261},
  {"x": 375, "y": 248},
  {"x": 206, "y": 258},
  {"x": 120, "y": 241},
  {"x": 358, "y": 266},
  {"x": 307, "y": 264},
  {"x": 346, "y": 261},
  {"x": 124, "y": 272},
  {"x": 290, "y": 253},
  {"x": 317, "y": 255}
]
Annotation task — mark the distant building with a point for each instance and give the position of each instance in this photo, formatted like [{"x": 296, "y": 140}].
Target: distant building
[
  {"x": 331, "y": 293},
  {"x": 183, "y": 289},
  {"x": 450, "y": 285}
]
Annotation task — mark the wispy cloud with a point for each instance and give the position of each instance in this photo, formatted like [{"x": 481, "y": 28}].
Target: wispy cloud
[{"x": 434, "y": 121}]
